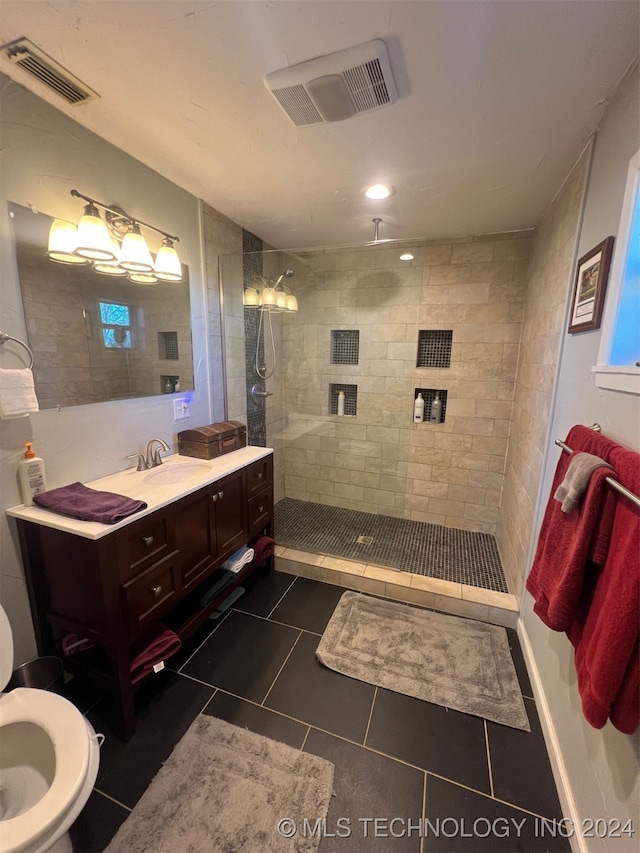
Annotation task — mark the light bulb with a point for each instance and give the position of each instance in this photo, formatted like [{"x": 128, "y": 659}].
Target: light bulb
[
  {"x": 143, "y": 277},
  {"x": 135, "y": 255},
  {"x": 378, "y": 191},
  {"x": 110, "y": 267},
  {"x": 62, "y": 243},
  {"x": 407, "y": 256},
  {"x": 250, "y": 298},
  {"x": 93, "y": 240},
  {"x": 168, "y": 266}
]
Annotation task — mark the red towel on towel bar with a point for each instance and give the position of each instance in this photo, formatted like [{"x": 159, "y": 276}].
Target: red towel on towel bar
[
  {"x": 154, "y": 647},
  {"x": 569, "y": 543},
  {"x": 606, "y": 629}
]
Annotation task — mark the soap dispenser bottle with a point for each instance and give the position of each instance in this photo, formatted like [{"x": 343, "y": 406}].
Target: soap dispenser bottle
[
  {"x": 31, "y": 475},
  {"x": 436, "y": 410},
  {"x": 341, "y": 403},
  {"x": 418, "y": 409}
]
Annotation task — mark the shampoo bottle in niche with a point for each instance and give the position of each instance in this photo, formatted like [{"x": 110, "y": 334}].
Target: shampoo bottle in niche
[
  {"x": 31, "y": 474},
  {"x": 341, "y": 402},
  {"x": 436, "y": 410},
  {"x": 418, "y": 409}
]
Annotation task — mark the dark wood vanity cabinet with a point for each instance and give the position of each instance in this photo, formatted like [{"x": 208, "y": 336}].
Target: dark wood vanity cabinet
[{"x": 115, "y": 588}]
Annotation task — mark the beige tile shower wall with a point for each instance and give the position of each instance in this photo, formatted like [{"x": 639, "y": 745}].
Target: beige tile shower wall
[
  {"x": 547, "y": 293},
  {"x": 379, "y": 460},
  {"x": 222, "y": 237}
]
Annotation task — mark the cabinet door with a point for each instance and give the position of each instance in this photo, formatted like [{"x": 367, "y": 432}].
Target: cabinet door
[
  {"x": 229, "y": 513},
  {"x": 196, "y": 536}
]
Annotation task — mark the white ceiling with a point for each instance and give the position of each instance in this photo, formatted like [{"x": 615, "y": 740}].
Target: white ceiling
[{"x": 497, "y": 101}]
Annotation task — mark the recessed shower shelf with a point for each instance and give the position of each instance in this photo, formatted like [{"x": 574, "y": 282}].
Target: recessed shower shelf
[
  {"x": 429, "y": 395},
  {"x": 350, "y": 398}
]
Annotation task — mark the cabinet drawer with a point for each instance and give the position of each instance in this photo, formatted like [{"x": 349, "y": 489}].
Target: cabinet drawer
[
  {"x": 151, "y": 594},
  {"x": 259, "y": 475},
  {"x": 260, "y": 509},
  {"x": 146, "y": 542}
]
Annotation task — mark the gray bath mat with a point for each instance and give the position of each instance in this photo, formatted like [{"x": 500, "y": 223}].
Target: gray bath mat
[
  {"x": 458, "y": 663},
  {"x": 225, "y": 789}
]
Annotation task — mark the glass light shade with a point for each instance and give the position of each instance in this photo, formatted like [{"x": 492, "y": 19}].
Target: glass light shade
[
  {"x": 292, "y": 303},
  {"x": 110, "y": 267},
  {"x": 93, "y": 240},
  {"x": 250, "y": 298},
  {"x": 62, "y": 243},
  {"x": 167, "y": 265},
  {"x": 281, "y": 300},
  {"x": 268, "y": 297},
  {"x": 135, "y": 255},
  {"x": 143, "y": 277}
]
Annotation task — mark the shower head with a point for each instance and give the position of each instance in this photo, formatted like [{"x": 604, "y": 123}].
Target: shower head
[{"x": 285, "y": 274}]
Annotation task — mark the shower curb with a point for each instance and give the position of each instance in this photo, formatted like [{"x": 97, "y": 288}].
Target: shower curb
[{"x": 497, "y": 608}]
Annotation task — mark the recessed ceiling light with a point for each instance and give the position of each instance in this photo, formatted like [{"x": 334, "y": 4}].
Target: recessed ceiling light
[
  {"x": 407, "y": 256},
  {"x": 378, "y": 191}
]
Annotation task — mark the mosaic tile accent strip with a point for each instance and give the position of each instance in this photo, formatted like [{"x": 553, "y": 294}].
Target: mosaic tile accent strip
[
  {"x": 345, "y": 346},
  {"x": 429, "y": 395},
  {"x": 460, "y": 556},
  {"x": 350, "y": 398},
  {"x": 434, "y": 348},
  {"x": 256, "y": 409}
]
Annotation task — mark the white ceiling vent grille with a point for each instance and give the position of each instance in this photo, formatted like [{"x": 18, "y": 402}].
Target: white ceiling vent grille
[
  {"x": 24, "y": 55},
  {"x": 337, "y": 86}
]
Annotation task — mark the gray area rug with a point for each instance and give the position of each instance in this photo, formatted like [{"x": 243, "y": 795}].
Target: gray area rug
[
  {"x": 223, "y": 790},
  {"x": 447, "y": 660}
]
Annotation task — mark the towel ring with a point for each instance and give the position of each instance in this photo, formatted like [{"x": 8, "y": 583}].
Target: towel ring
[{"x": 4, "y": 338}]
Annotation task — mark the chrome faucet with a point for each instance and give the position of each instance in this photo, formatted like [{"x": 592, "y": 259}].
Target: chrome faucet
[{"x": 153, "y": 457}]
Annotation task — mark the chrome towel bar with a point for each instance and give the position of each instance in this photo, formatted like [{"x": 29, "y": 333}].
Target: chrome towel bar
[{"x": 4, "y": 338}]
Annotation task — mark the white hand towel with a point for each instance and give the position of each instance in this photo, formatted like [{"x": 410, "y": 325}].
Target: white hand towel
[
  {"x": 17, "y": 393},
  {"x": 236, "y": 561}
]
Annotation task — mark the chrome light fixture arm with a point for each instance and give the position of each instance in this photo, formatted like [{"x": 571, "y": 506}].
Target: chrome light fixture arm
[{"x": 122, "y": 214}]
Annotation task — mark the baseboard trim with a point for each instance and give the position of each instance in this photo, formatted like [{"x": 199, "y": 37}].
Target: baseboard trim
[{"x": 558, "y": 767}]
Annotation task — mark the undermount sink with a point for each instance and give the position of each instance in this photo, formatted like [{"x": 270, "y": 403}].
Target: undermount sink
[{"x": 176, "y": 473}]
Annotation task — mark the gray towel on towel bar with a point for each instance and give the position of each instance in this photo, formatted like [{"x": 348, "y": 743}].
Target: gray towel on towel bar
[
  {"x": 576, "y": 479},
  {"x": 79, "y": 501}
]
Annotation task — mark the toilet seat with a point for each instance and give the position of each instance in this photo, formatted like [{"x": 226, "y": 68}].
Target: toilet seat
[{"x": 69, "y": 735}]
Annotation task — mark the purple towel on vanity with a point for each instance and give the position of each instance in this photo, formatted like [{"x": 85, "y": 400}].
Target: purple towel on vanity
[{"x": 79, "y": 501}]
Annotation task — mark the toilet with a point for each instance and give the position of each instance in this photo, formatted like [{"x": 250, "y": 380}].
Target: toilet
[{"x": 49, "y": 757}]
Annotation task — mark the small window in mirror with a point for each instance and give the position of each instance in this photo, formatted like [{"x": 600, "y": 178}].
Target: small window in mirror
[{"x": 115, "y": 320}]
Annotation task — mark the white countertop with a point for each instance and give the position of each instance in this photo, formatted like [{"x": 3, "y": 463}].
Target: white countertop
[{"x": 155, "y": 487}]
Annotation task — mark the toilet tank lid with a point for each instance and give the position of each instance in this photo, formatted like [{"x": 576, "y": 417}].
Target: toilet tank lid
[{"x": 6, "y": 650}]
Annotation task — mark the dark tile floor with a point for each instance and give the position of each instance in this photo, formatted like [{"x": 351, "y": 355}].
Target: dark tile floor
[
  {"x": 461, "y": 783},
  {"x": 447, "y": 553}
]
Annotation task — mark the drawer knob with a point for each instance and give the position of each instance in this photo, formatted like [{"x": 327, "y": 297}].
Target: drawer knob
[
  {"x": 260, "y": 475},
  {"x": 156, "y": 590},
  {"x": 260, "y": 509},
  {"x": 214, "y": 498},
  {"x": 220, "y": 495},
  {"x": 148, "y": 541}
]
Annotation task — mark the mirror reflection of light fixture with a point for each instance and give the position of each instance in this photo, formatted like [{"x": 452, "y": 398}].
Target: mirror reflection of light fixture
[
  {"x": 268, "y": 296},
  {"x": 292, "y": 302},
  {"x": 250, "y": 298},
  {"x": 63, "y": 239},
  {"x": 281, "y": 300},
  {"x": 91, "y": 242}
]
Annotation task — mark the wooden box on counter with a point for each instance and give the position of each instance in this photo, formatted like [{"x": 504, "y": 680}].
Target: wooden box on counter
[{"x": 213, "y": 440}]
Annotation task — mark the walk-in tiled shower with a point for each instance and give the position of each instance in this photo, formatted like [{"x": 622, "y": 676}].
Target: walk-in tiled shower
[{"x": 380, "y": 328}]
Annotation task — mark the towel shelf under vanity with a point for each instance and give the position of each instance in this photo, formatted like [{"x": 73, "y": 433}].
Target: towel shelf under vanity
[{"x": 114, "y": 588}]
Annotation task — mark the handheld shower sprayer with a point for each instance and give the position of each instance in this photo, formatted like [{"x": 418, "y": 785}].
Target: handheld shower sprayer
[{"x": 261, "y": 369}]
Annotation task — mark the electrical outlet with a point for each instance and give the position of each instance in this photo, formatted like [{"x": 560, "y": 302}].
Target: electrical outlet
[{"x": 180, "y": 410}]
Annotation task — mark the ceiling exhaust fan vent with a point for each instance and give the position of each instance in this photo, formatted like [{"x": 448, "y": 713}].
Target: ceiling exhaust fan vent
[
  {"x": 337, "y": 86},
  {"x": 24, "y": 55}
]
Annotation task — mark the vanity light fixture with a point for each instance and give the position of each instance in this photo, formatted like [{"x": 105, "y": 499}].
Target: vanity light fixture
[{"x": 91, "y": 242}]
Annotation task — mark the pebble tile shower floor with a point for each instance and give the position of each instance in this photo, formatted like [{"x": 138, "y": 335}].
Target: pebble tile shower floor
[{"x": 460, "y": 556}]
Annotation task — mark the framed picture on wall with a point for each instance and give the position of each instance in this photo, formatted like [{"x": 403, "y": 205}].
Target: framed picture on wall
[{"x": 590, "y": 287}]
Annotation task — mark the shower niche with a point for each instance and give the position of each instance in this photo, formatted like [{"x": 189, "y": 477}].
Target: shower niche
[
  {"x": 350, "y": 399},
  {"x": 429, "y": 395},
  {"x": 434, "y": 348}
]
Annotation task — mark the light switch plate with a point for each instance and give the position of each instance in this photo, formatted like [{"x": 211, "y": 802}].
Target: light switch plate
[{"x": 180, "y": 410}]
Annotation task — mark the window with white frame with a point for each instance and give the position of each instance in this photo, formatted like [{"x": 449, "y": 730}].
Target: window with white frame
[{"x": 618, "y": 367}]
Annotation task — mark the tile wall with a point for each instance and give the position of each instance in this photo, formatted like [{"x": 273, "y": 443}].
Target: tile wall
[
  {"x": 379, "y": 460},
  {"x": 550, "y": 279}
]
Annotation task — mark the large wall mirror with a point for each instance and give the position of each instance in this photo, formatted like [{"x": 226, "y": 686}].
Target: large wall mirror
[{"x": 98, "y": 337}]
